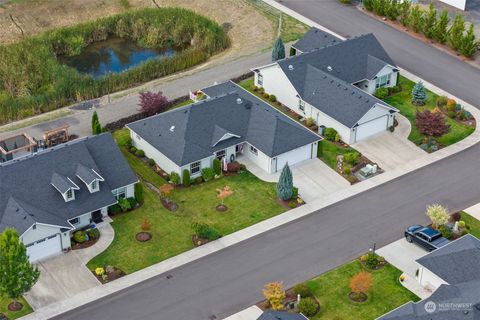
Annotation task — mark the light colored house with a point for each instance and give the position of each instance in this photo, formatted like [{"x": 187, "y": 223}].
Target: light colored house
[
  {"x": 47, "y": 196},
  {"x": 281, "y": 315},
  {"x": 229, "y": 123},
  {"x": 453, "y": 271},
  {"x": 333, "y": 85},
  {"x": 314, "y": 39}
]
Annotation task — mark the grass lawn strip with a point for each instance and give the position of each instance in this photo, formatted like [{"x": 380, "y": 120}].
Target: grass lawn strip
[
  {"x": 4, "y": 302},
  {"x": 332, "y": 289},
  {"x": 253, "y": 200},
  {"x": 402, "y": 101},
  {"x": 472, "y": 223}
]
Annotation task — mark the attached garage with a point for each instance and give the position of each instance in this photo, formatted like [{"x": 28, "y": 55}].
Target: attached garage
[
  {"x": 371, "y": 127},
  {"x": 294, "y": 156},
  {"x": 44, "y": 248}
]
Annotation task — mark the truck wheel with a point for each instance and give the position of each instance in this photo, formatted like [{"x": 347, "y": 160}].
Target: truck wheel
[{"x": 409, "y": 239}]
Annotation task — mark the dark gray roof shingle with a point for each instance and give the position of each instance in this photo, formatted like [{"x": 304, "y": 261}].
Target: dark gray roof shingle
[
  {"x": 62, "y": 183},
  {"x": 87, "y": 175},
  {"x": 315, "y": 39},
  {"x": 281, "y": 315},
  {"x": 188, "y": 134},
  {"x": 26, "y": 193}
]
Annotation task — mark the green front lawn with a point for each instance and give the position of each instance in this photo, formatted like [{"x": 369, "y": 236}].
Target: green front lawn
[
  {"x": 402, "y": 101},
  {"x": 253, "y": 201},
  {"x": 332, "y": 289},
  {"x": 328, "y": 152},
  {"x": 4, "y": 302},
  {"x": 472, "y": 223}
]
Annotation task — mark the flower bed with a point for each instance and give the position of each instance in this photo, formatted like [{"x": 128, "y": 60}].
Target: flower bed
[
  {"x": 85, "y": 238},
  {"x": 108, "y": 273}
]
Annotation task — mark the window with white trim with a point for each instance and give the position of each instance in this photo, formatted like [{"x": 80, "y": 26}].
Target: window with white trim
[
  {"x": 220, "y": 154},
  {"x": 94, "y": 185},
  {"x": 254, "y": 150},
  {"x": 259, "y": 79},
  {"x": 120, "y": 193},
  {"x": 301, "y": 104},
  {"x": 69, "y": 194},
  {"x": 195, "y": 167},
  {"x": 74, "y": 221},
  {"x": 382, "y": 81}
]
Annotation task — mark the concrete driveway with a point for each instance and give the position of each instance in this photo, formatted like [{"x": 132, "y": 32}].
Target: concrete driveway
[
  {"x": 66, "y": 275},
  {"x": 313, "y": 178},
  {"x": 391, "y": 150}
]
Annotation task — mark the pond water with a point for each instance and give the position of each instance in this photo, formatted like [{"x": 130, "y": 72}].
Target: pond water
[{"x": 113, "y": 55}]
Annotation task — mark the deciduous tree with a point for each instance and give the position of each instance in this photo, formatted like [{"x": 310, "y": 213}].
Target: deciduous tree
[
  {"x": 438, "y": 215},
  {"x": 224, "y": 193},
  {"x": 431, "y": 124},
  {"x": 274, "y": 294},
  {"x": 152, "y": 102},
  {"x": 361, "y": 282},
  {"x": 17, "y": 275}
]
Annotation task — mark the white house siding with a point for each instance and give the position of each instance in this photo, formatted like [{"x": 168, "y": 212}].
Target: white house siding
[
  {"x": 261, "y": 159},
  {"x": 460, "y": 4},
  {"x": 275, "y": 82},
  {"x": 161, "y": 160},
  {"x": 204, "y": 163},
  {"x": 294, "y": 156},
  {"x": 429, "y": 279},
  {"x": 43, "y": 231},
  {"x": 369, "y": 86}
]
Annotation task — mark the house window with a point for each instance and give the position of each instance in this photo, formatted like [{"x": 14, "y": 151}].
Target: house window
[
  {"x": 260, "y": 79},
  {"x": 220, "y": 154},
  {"x": 120, "y": 193},
  {"x": 382, "y": 81},
  {"x": 74, "y": 221},
  {"x": 254, "y": 150},
  {"x": 195, "y": 167},
  {"x": 301, "y": 104},
  {"x": 94, "y": 185},
  {"x": 69, "y": 194}
]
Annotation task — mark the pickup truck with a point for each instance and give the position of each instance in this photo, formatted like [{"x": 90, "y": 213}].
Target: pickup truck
[{"x": 426, "y": 237}]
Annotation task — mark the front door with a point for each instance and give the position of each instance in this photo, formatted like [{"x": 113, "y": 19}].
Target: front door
[{"x": 97, "y": 216}]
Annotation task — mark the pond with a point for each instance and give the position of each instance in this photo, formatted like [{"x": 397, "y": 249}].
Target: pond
[{"x": 112, "y": 55}]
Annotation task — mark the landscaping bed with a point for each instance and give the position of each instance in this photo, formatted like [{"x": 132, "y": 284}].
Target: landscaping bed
[
  {"x": 459, "y": 129},
  {"x": 252, "y": 201},
  {"x": 85, "y": 238},
  {"x": 108, "y": 273},
  {"x": 4, "y": 302},
  {"x": 332, "y": 291}
]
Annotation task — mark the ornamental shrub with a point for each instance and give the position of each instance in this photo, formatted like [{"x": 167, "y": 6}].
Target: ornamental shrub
[
  {"x": 308, "y": 306},
  {"x": 124, "y": 204},
  {"x": 133, "y": 149},
  {"x": 278, "y": 51},
  {"x": 418, "y": 94},
  {"x": 431, "y": 124},
  {"x": 139, "y": 192},
  {"x": 330, "y": 134},
  {"x": 93, "y": 233},
  {"x": 233, "y": 166},
  {"x": 207, "y": 174},
  {"x": 217, "y": 166},
  {"x": 272, "y": 98},
  {"x": 152, "y": 103},
  {"x": 114, "y": 209},
  {"x": 186, "y": 177},
  {"x": 140, "y": 153},
  {"x": 442, "y": 101},
  {"x": 309, "y": 122},
  {"x": 381, "y": 93},
  {"x": 205, "y": 231},
  {"x": 174, "y": 178},
  {"x": 266, "y": 96},
  {"x": 445, "y": 231},
  {"x": 151, "y": 162},
  {"x": 303, "y": 290},
  {"x": 352, "y": 157},
  {"x": 337, "y": 138},
  {"x": 372, "y": 260},
  {"x": 285, "y": 184},
  {"x": 133, "y": 202},
  {"x": 79, "y": 236},
  {"x": 294, "y": 192},
  {"x": 461, "y": 224}
]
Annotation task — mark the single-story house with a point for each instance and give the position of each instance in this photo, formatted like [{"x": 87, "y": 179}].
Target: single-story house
[
  {"x": 314, "y": 39},
  {"x": 281, "y": 315},
  {"x": 334, "y": 86},
  {"x": 50, "y": 194},
  {"x": 229, "y": 122},
  {"x": 453, "y": 271}
]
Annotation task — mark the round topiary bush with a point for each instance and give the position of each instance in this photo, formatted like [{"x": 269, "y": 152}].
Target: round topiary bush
[
  {"x": 140, "y": 153},
  {"x": 308, "y": 306},
  {"x": 79, "y": 236},
  {"x": 151, "y": 162},
  {"x": 303, "y": 290}
]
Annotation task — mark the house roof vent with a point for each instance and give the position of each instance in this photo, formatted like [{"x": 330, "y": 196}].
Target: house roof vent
[
  {"x": 239, "y": 101},
  {"x": 329, "y": 68},
  {"x": 290, "y": 67},
  {"x": 172, "y": 128}
]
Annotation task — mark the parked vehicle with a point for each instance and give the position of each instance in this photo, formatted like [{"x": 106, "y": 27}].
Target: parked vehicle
[{"x": 426, "y": 237}]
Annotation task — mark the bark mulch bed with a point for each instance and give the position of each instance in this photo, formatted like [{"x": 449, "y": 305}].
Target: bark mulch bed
[
  {"x": 3, "y": 316},
  {"x": 86, "y": 244},
  {"x": 143, "y": 236},
  {"x": 357, "y": 297},
  {"x": 197, "y": 241},
  {"x": 286, "y": 203},
  {"x": 15, "y": 306},
  {"x": 290, "y": 302},
  {"x": 221, "y": 208},
  {"x": 111, "y": 273},
  {"x": 169, "y": 204}
]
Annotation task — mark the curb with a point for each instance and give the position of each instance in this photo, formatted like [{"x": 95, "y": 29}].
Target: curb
[{"x": 102, "y": 291}]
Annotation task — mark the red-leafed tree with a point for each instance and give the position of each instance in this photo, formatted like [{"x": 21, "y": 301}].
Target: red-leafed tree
[
  {"x": 152, "y": 102},
  {"x": 431, "y": 124}
]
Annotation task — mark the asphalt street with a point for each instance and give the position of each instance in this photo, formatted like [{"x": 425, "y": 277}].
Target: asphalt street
[{"x": 232, "y": 279}]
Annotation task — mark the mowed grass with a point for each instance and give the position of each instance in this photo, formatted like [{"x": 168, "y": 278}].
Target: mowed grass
[
  {"x": 472, "y": 223},
  {"x": 328, "y": 152},
  {"x": 402, "y": 101},
  {"x": 253, "y": 200},
  {"x": 4, "y": 302},
  {"x": 332, "y": 289}
]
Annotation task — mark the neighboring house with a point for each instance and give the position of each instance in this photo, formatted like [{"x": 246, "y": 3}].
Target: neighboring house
[
  {"x": 281, "y": 315},
  {"x": 333, "y": 85},
  {"x": 16, "y": 147},
  {"x": 314, "y": 39},
  {"x": 229, "y": 122},
  {"x": 48, "y": 195},
  {"x": 454, "y": 271}
]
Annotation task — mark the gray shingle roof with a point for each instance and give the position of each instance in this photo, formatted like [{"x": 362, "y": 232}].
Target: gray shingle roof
[
  {"x": 350, "y": 60},
  {"x": 26, "y": 193},
  {"x": 457, "y": 262},
  {"x": 315, "y": 39},
  {"x": 198, "y": 125},
  {"x": 281, "y": 315},
  {"x": 87, "y": 175},
  {"x": 62, "y": 183}
]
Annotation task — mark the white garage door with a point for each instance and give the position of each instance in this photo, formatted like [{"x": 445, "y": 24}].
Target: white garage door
[
  {"x": 44, "y": 248},
  {"x": 371, "y": 127},
  {"x": 294, "y": 156}
]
